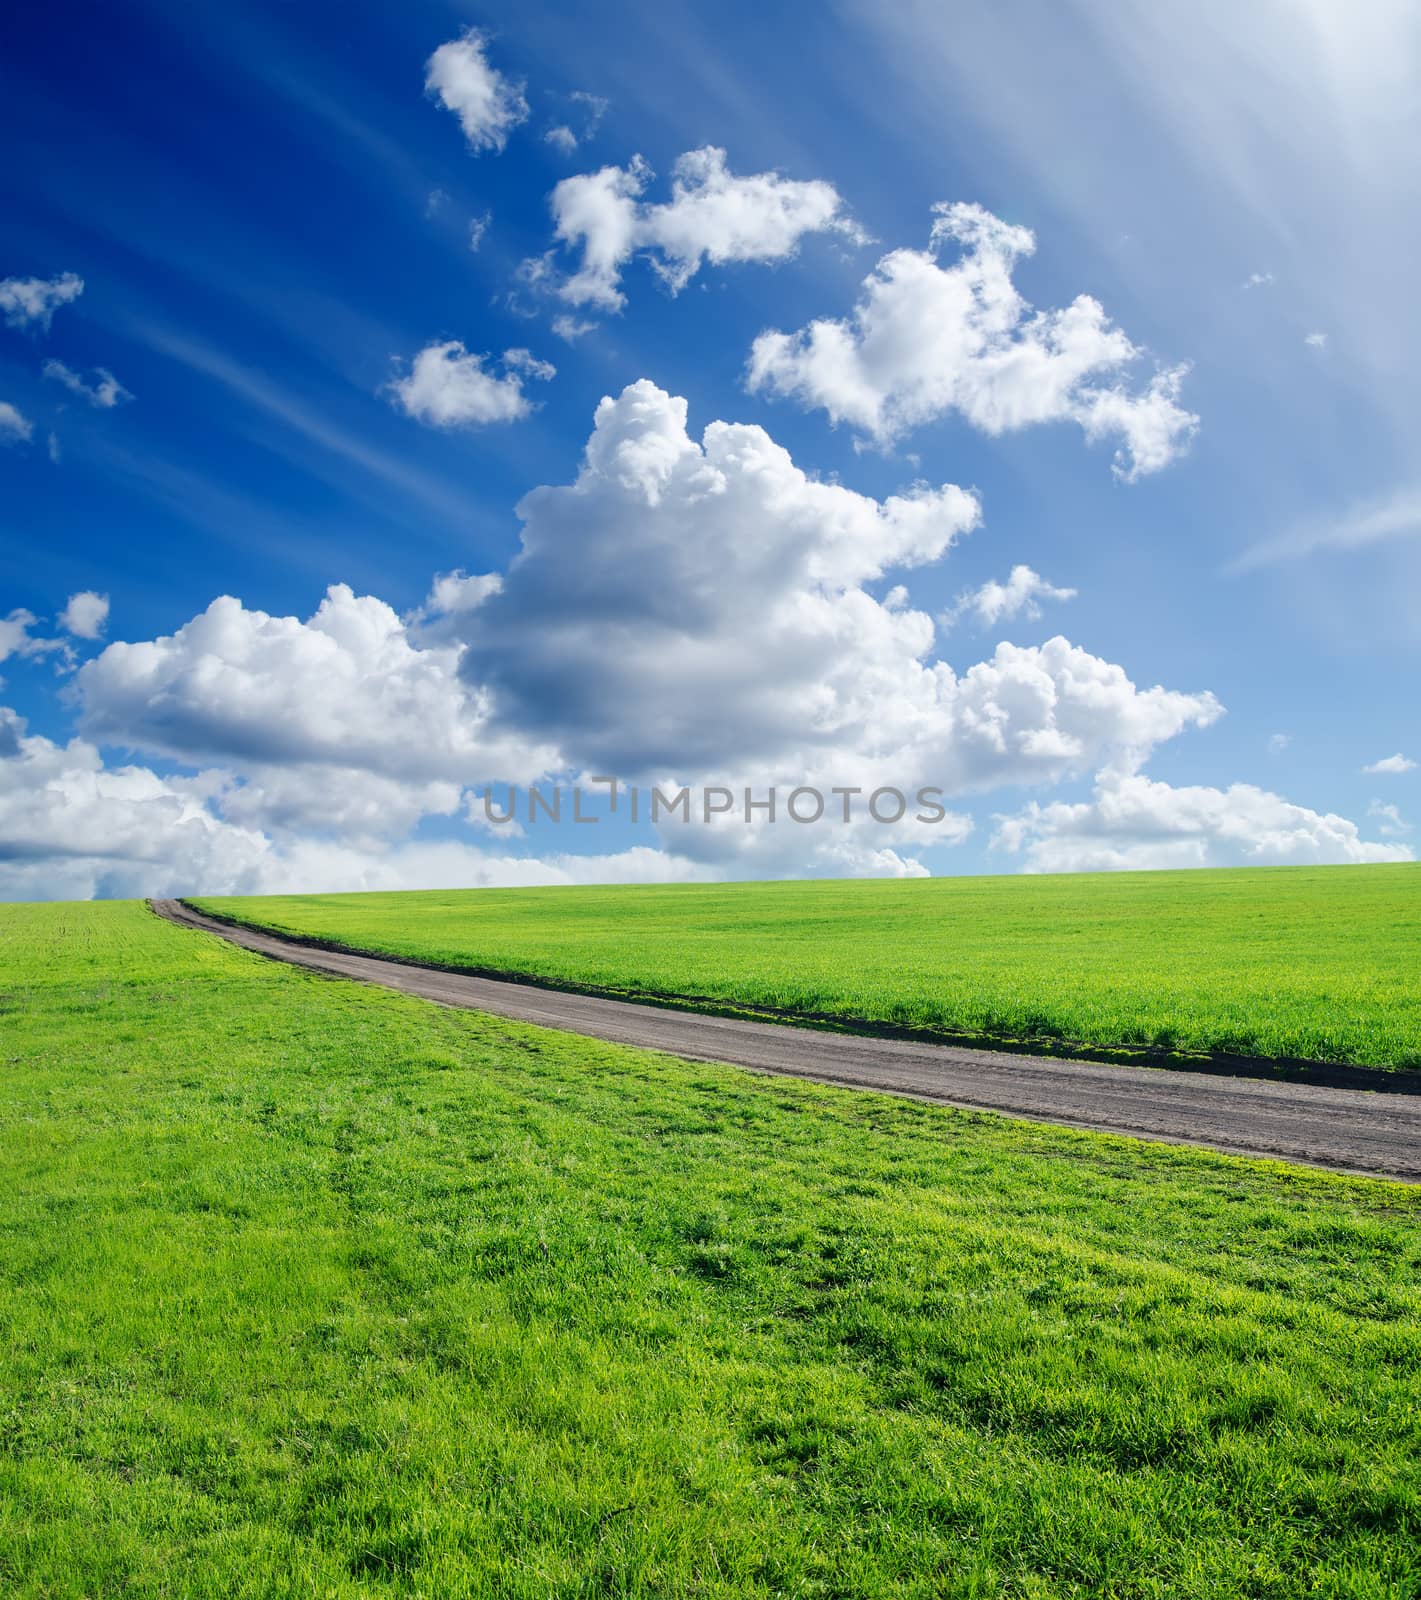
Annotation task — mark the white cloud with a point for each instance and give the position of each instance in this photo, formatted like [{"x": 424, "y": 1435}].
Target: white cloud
[
  {"x": 351, "y": 688},
  {"x": 571, "y": 328},
  {"x": 1278, "y": 743},
  {"x": 925, "y": 340},
  {"x": 455, "y": 592},
  {"x": 86, "y": 614},
  {"x": 1257, "y": 280},
  {"x": 353, "y": 723},
  {"x": 15, "y": 428},
  {"x": 478, "y": 227},
  {"x": 1286, "y": 130},
  {"x": 488, "y": 105},
  {"x": 452, "y": 596},
  {"x": 1316, "y": 341},
  {"x": 17, "y": 640},
  {"x": 73, "y": 828},
  {"x": 588, "y": 111},
  {"x": 1390, "y": 822},
  {"x": 1134, "y": 823},
  {"x": 55, "y": 454},
  {"x": 32, "y": 302},
  {"x": 105, "y": 393},
  {"x": 447, "y": 387},
  {"x": 521, "y": 360},
  {"x": 712, "y": 215},
  {"x": 1391, "y": 764},
  {"x": 683, "y": 612},
  {"x": 594, "y": 108},
  {"x": 699, "y": 607},
  {"x": 994, "y": 602}
]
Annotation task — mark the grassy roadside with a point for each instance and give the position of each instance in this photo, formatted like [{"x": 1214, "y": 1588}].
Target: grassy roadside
[
  {"x": 309, "y": 1288},
  {"x": 1313, "y": 964}
]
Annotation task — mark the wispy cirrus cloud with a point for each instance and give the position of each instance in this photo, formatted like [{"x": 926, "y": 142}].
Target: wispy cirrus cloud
[
  {"x": 306, "y": 420},
  {"x": 15, "y": 426},
  {"x": 1390, "y": 822},
  {"x": 105, "y": 392},
  {"x": 1393, "y": 516},
  {"x": 587, "y": 112}
]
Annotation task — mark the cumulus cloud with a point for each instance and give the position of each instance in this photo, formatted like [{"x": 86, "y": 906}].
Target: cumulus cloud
[
  {"x": 1257, "y": 280},
  {"x": 1278, "y": 743},
  {"x": 32, "y": 302},
  {"x": 478, "y": 227},
  {"x": 454, "y": 593},
  {"x": 1316, "y": 341},
  {"x": 1135, "y": 823},
  {"x": 926, "y": 339},
  {"x": 447, "y": 387},
  {"x": 351, "y": 688},
  {"x": 105, "y": 392},
  {"x": 488, "y": 105},
  {"x": 15, "y": 427},
  {"x": 713, "y": 215},
  {"x": 1391, "y": 764},
  {"x": 351, "y": 724},
  {"x": 452, "y": 596},
  {"x": 86, "y": 614},
  {"x": 1020, "y": 596},
  {"x": 72, "y": 827},
  {"x": 686, "y": 611},
  {"x": 562, "y": 138},
  {"x": 696, "y": 605}
]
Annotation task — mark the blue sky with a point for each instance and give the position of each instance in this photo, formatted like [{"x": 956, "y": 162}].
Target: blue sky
[{"x": 273, "y": 211}]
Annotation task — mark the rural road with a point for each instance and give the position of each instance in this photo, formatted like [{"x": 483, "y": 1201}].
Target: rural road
[{"x": 1349, "y": 1130}]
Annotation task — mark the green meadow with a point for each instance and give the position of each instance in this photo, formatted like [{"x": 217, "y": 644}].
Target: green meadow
[
  {"x": 311, "y": 1289},
  {"x": 1311, "y": 963}
]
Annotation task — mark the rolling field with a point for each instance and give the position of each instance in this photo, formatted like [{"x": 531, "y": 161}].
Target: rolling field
[
  {"x": 1318, "y": 964},
  {"x": 308, "y": 1288}
]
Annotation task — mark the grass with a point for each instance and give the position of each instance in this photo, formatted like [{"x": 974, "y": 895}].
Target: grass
[
  {"x": 308, "y": 1288},
  {"x": 1317, "y": 964}
]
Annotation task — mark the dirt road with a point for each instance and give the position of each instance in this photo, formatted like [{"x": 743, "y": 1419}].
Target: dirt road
[{"x": 1350, "y": 1130}]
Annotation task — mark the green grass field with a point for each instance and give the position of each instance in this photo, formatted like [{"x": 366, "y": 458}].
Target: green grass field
[
  {"x": 310, "y": 1289},
  {"x": 1321, "y": 964}
]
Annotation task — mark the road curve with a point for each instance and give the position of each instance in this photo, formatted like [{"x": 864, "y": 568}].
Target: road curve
[{"x": 1347, "y": 1130}]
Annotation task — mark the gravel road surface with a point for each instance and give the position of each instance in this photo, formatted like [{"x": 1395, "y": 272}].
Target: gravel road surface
[{"x": 1349, "y": 1130}]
